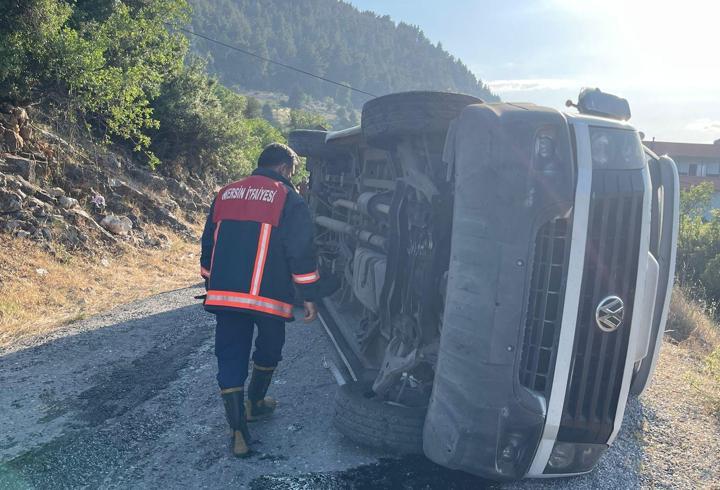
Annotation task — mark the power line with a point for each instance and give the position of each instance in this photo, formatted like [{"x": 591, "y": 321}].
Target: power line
[{"x": 255, "y": 55}]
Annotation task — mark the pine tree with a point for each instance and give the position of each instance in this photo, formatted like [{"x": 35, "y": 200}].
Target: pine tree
[
  {"x": 330, "y": 38},
  {"x": 297, "y": 99},
  {"x": 267, "y": 113},
  {"x": 253, "y": 108}
]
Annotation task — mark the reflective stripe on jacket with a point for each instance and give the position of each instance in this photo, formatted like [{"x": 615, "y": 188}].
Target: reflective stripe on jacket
[{"x": 257, "y": 242}]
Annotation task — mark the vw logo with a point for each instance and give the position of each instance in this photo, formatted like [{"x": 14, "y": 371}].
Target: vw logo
[{"x": 609, "y": 314}]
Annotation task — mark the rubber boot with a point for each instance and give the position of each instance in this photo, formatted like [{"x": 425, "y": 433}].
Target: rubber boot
[
  {"x": 235, "y": 414},
  {"x": 258, "y": 405}
]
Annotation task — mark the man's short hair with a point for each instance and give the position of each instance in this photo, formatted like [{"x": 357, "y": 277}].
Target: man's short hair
[{"x": 276, "y": 154}]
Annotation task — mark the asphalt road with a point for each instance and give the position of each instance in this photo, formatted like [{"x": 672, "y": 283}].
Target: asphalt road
[{"x": 129, "y": 399}]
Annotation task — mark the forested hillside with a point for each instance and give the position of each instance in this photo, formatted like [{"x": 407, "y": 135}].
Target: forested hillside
[
  {"x": 330, "y": 38},
  {"x": 120, "y": 72}
]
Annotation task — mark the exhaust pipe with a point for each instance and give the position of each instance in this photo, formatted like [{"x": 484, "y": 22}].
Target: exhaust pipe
[{"x": 342, "y": 227}]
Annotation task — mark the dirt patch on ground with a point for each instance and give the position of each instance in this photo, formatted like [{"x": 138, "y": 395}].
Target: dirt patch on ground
[
  {"x": 680, "y": 433},
  {"x": 680, "y": 428},
  {"x": 41, "y": 290},
  {"x": 85, "y": 228}
]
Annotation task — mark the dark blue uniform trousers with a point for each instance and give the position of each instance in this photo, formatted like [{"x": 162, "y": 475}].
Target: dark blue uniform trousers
[{"x": 233, "y": 340}]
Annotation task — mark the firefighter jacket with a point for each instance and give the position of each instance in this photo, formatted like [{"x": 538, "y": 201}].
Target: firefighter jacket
[{"x": 257, "y": 242}]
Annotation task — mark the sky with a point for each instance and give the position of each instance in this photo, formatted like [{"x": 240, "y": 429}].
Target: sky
[{"x": 663, "y": 56}]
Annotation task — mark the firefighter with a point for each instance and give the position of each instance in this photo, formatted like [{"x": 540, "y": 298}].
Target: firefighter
[{"x": 257, "y": 242}]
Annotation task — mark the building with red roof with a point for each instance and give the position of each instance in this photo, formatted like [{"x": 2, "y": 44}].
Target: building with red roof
[{"x": 696, "y": 162}]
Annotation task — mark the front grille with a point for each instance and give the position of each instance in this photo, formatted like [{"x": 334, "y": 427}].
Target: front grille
[
  {"x": 544, "y": 313},
  {"x": 611, "y": 264}
]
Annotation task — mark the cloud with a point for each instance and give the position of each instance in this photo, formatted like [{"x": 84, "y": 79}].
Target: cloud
[
  {"x": 532, "y": 84},
  {"x": 705, "y": 125}
]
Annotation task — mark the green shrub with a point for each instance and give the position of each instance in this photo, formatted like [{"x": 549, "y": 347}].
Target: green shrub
[
  {"x": 105, "y": 72},
  {"x": 202, "y": 126},
  {"x": 118, "y": 67},
  {"x": 710, "y": 278},
  {"x": 300, "y": 119},
  {"x": 698, "y": 249}
]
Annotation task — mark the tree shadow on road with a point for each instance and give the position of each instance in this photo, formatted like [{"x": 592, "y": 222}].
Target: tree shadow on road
[
  {"x": 387, "y": 474},
  {"x": 618, "y": 468},
  {"x": 75, "y": 405}
]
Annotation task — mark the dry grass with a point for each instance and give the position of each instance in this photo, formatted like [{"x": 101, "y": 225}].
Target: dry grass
[
  {"x": 691, "y": 325},
  {"x": 690, "y": 322},
  {"x": 40, "y": 291},
  {"x": 707, "y": 382}
]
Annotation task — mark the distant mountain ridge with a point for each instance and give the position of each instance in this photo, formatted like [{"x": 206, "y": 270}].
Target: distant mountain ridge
[{"x": 330, "y": 38}]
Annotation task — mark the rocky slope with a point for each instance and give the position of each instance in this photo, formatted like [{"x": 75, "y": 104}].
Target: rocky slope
[{"x": 83, "y": 195}]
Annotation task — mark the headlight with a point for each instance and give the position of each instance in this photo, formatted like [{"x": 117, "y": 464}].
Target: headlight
[
  {"x": 517, "y": 436},
  {"x": 615, "y": 149},
  {"x": 569, "y": 458},
  {"x": 600, "y": 148}
]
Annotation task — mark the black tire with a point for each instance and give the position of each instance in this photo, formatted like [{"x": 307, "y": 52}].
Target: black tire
[
  {"x": 311, "y": 143},
  {"x": 369, "y": 421},
  {"x": 386, "y": 118},
  {"x": 641, "y": 376}
]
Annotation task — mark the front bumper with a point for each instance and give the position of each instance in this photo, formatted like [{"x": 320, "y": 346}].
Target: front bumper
[
  {"x": 502, "y": 404},
  {"x": 480, "y": 418}
]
